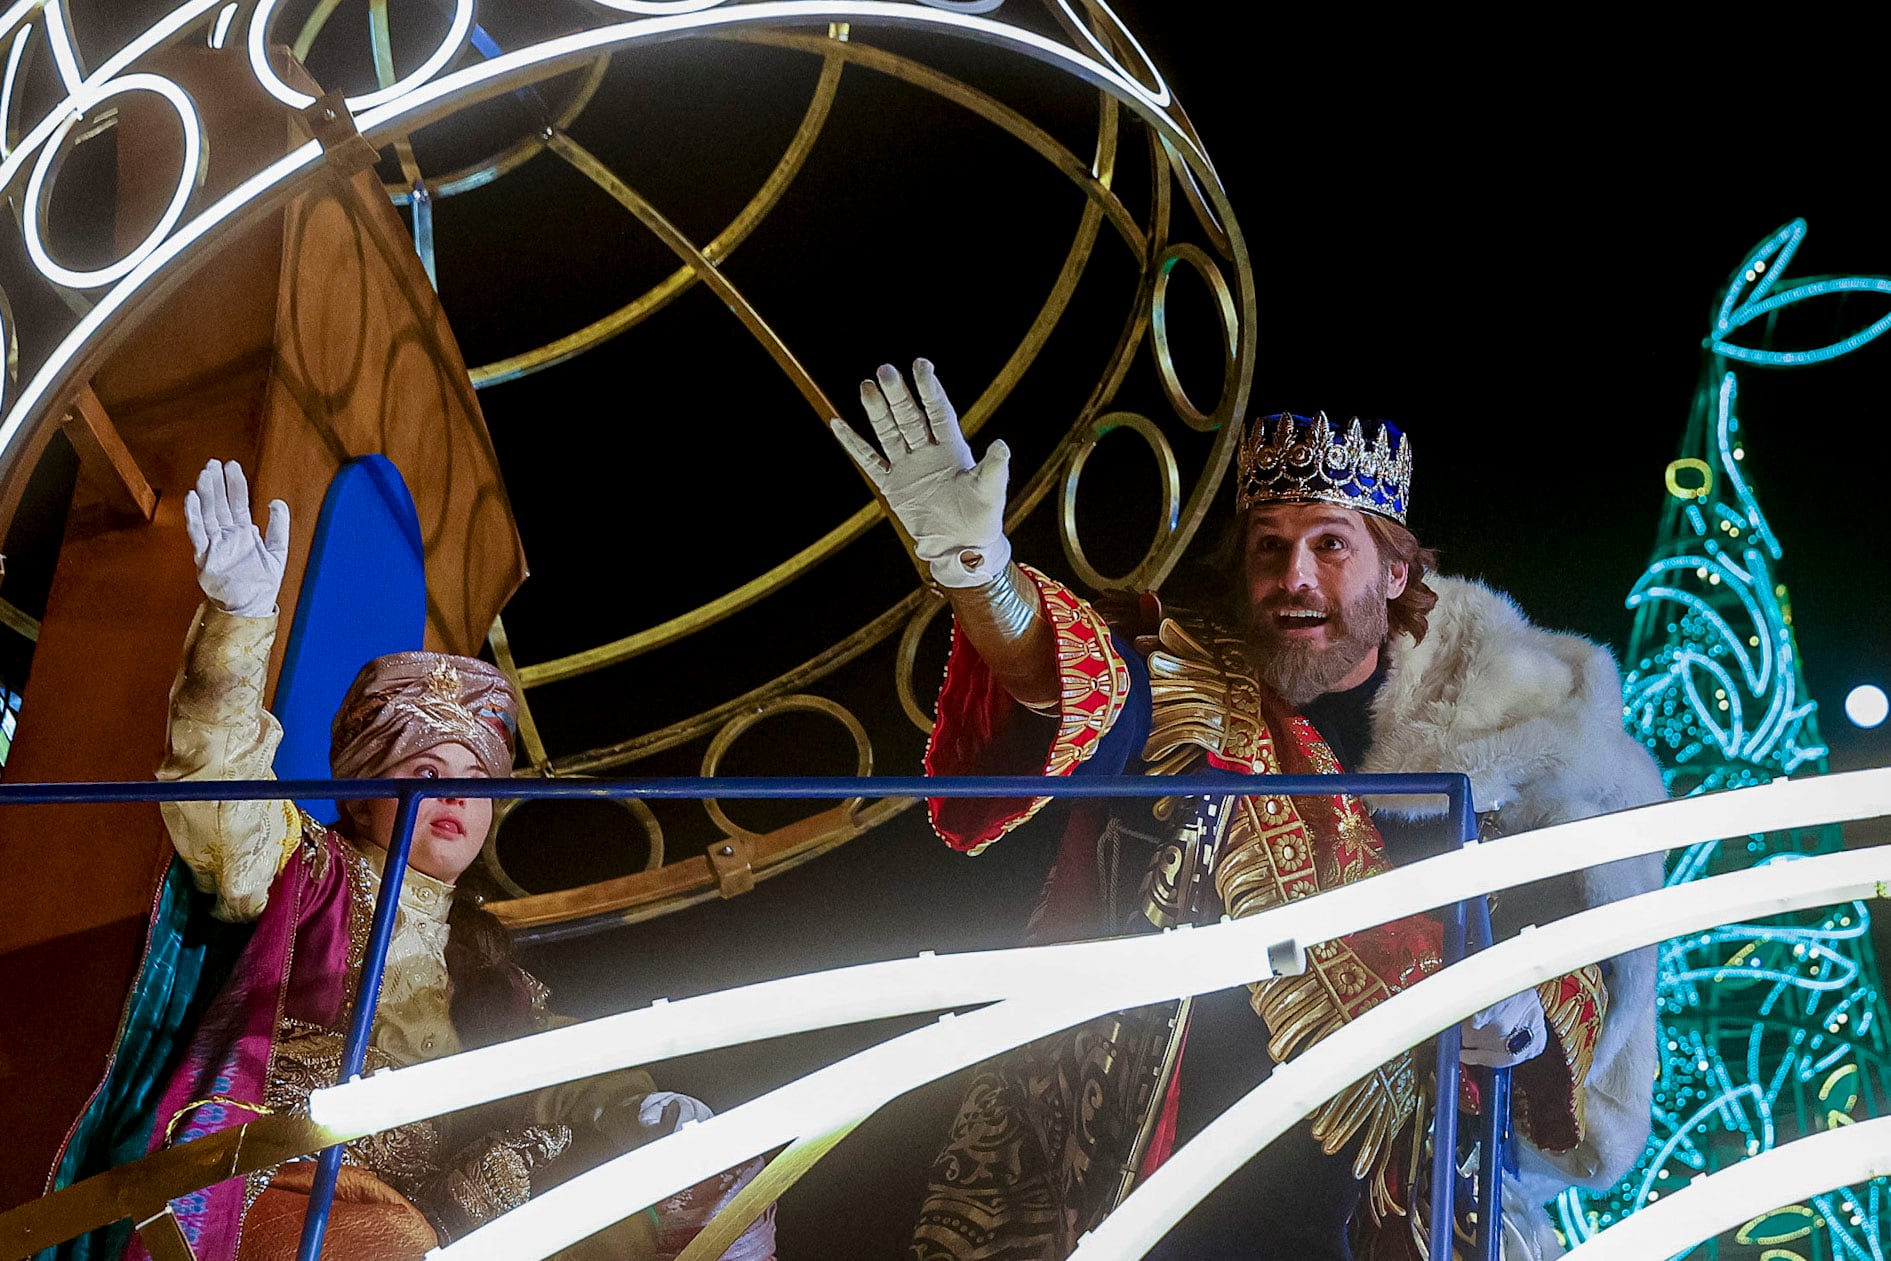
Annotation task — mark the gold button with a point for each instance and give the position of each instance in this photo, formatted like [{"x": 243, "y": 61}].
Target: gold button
[{"x": 426, "y": 1043}]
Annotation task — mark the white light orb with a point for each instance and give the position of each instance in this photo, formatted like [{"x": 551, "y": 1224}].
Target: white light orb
[{"x": 1866, "y": 705}]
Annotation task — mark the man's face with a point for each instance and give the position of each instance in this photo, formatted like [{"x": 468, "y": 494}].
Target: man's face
[
  {"x": 1317, "y": 594},
  {"x": 449, "y": 831}
]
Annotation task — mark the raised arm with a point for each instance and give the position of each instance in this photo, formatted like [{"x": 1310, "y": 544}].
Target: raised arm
[
  {"x": 954, "y": 510},
  {"x": 219, "y": 729}
]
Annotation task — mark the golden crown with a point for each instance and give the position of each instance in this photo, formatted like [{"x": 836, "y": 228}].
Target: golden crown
[{"x": 1286, "y": 458}]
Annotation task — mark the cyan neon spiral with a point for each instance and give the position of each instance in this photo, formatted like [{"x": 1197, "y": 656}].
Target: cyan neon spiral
[{"x": 1769, "y": 1030}]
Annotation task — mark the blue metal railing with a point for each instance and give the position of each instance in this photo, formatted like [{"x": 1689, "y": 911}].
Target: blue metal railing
[{"x": 1472, "y": 914}]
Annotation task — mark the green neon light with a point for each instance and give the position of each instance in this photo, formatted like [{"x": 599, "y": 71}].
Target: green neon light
[{"x": 1767, "y": 1031}]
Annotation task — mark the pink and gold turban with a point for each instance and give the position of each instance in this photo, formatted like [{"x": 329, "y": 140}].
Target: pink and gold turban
[{"x": 408, "y": 702}]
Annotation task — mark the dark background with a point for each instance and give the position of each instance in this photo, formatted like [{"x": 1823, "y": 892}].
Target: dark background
[{"x": 1507, "y": 240}]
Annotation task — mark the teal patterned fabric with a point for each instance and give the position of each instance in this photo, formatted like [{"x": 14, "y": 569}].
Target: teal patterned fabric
[{"x": 187, "y": 956}]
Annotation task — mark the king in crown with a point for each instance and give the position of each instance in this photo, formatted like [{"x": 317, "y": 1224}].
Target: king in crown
[{"x": 1404, "y": 670}]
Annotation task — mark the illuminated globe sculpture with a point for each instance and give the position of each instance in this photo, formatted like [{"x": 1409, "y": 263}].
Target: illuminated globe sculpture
[
  {"x": 461, "y": 102},
  {"x": 1770, "y": 1030}
]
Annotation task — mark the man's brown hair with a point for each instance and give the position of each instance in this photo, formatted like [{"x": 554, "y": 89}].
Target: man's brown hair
[{"x": 1409, "y": 613}]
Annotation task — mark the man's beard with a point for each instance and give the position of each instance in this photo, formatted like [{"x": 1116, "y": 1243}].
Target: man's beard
[{"x": 1297, "y": 671}]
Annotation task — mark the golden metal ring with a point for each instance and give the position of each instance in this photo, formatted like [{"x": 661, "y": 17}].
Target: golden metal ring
[
  {"x": 797, "y": 701},
  {"x": 1205, "y": 267},
  {"x": 1171, "y": 493},
  {"x": 1672, "y": 476},
  {"x": 908, "y": 657},
  {"x": 502, "y": 810},
  {"x": 1198, "y": 202}
]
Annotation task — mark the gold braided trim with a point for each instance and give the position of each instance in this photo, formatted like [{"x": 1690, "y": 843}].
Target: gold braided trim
[
  {"x": 1573, "y": 1007},
  {"x": 1205, "y": 701},
  {"x": 1093, "y": 686}
]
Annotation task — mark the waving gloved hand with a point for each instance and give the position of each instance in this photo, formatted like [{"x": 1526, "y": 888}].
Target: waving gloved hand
[
  {"x": 1507, "y": 1033},
  {"x": 238, "y": 567},
  {"x": 953, "y": 508}
]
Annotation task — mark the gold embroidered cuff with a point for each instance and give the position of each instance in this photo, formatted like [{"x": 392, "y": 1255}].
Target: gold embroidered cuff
[{"x": 1091, "y": 683}]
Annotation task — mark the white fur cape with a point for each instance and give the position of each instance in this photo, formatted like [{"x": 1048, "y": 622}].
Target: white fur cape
[{"x": 1534, "y": 718}]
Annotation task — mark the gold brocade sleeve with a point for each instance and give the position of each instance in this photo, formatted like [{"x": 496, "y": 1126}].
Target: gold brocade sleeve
[
  {"x": 219, "y": 730},
  {"x": 589, "y": 1102},
  {"x": 1093, "y": 685},
  {"x": 1550, "y": 1092}
]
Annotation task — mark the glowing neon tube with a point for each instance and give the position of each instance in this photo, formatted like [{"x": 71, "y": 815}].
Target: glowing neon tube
[
  {"x": 1295, "y": 1089},
  {"x": 1221, "y": 955},
  {"x": 413, "y": 109},
  {"x": 1725, "y": 1200},
  {"x": 866, "y": 1081},
  {"x": 831, "y": 1099}
]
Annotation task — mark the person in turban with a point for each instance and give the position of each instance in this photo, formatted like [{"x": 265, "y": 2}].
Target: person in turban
[{"x": 275, "y": 1029}]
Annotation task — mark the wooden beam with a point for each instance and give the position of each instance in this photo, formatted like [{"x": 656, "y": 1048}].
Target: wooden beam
[
  {"x": 103, "y": 453},
  {"x": 18, "y": 621}
]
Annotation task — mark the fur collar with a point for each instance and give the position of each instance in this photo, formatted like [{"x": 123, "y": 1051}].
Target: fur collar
[{"x": 1533, "y": 716}]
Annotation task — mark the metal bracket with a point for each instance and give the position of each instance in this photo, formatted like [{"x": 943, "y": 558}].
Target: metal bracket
[
  {"x": 347, "y": 151},
  {"x": 163, "y": 1238},
  {"x": 729, "y": 860},
  {"x": 1286, "y": 958}
]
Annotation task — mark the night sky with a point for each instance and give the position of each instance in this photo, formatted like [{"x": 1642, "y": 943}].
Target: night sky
[{"x": 1512, "y": 254}]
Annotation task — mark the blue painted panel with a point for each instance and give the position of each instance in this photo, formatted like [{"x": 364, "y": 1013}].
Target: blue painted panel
[{"x": 364, "y": 594}]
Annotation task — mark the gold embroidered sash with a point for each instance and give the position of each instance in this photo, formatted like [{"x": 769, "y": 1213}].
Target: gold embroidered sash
[{"x": 1281, "y": 849}]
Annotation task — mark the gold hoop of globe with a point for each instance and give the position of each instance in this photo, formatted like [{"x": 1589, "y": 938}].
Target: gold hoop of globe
[
  {"x": 53, "y": 156},
  {"x": 9, "y": 349},
  {"x": 32, "y": 406},
  {"x": 908, "y": 658},
  {"x": 1203, "y": 266},
  {"x": 473, "y": 174},
  {"x": 1197, "y": 200},
  {"x": 1157, "y": 92},
  {"x": 799, "y": 702},
  {"x": 503, "y": 808},
  {"x": 449, "y": 47},
  {"x": 1171, "y": 475},
  {"x": 1688, "y": 464}
]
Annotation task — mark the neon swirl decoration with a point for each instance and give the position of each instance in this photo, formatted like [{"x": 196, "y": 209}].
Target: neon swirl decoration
[{"x": 1769, "y": 1031}]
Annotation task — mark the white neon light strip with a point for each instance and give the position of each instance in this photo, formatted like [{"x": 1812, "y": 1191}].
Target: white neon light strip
[
  {"x": 59, "y": 36},
  {"x": 15, "y": 13},
  {"x": 658, "y": 8},
  {"x": 823, "y": 1102},
  {"x": 90, "y": 325},
  {"x": 1736, "y": 1195},
  {"x": 1224, "y": 954},
  {"x": 390, "y": 117},
  {"x": 436, "y": 61},
  {"x": 6, "y": 87},
  {"x": 1295, "y": 1089},
  {"x": 840, "y": 1095},
  {"x": 843, "y": 1093},
  {"x": 97, "y": 82},
  {"x": 221, "y": 31},
  {"x": 189, "y": 177}
]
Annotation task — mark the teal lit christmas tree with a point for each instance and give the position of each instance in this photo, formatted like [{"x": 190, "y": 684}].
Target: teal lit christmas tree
[{"x": 1770, "y": 1031}]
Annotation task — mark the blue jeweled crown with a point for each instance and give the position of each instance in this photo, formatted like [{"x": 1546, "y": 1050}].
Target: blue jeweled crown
[{"x": 1296, "y": 459}]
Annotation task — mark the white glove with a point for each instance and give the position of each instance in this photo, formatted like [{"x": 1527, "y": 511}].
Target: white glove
[
  {"x": 1505, "y": 1034},
  {"x": 954, "y": 509},
  {"x": 665, "y": 1111},
  {"x": 238, "y": 568}
]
